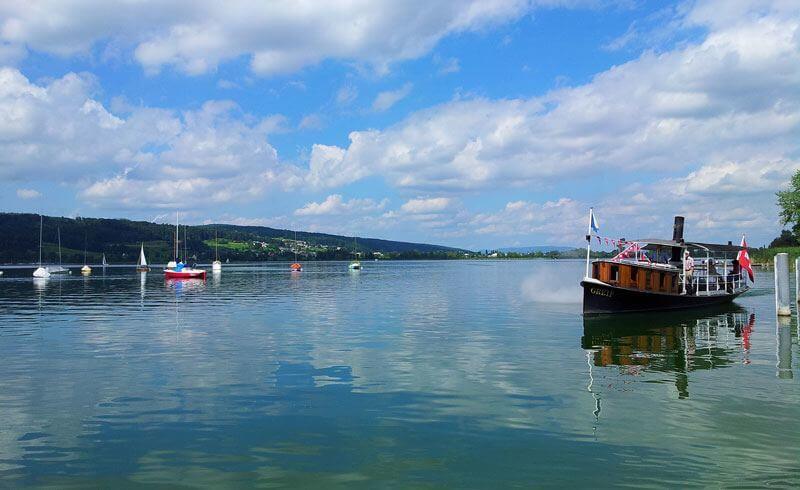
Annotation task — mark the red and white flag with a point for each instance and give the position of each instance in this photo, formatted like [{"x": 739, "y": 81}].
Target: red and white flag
[{"x": 744, "y": 260}]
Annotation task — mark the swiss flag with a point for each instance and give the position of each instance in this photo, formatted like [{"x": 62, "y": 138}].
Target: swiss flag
[{"x": 744, "y": 260}]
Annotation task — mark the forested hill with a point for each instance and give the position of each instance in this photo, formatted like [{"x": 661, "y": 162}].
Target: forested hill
[{"x": 120, "y": 240}]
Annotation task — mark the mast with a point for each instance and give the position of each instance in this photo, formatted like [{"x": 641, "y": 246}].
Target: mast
[
  {"x": 185, "y": 244},
  {"x": 295, "y": 246},
  {"x": 85, "y": 239},
  {"x": 59, "y": 246},
  {"x": 41, "y": 224},
  {"x": 176, "y": 236},
  {"x": 216, "y": 246},
  {"x": 589, "y": 242}
]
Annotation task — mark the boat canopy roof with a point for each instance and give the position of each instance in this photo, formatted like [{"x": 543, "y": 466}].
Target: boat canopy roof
[{"x": 710, "y": 247}]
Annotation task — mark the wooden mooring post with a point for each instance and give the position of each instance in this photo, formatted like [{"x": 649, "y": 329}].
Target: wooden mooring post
[{"x": 782, "y": 294}]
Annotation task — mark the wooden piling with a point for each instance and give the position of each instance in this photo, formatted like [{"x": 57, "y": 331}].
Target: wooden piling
[{"x": 782, "y": 302}]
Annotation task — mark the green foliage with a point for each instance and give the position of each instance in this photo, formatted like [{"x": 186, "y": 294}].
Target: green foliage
[
  {"x": 787, "y": 239},
  {"x": 765, "y": 256},
  {"x": 120, "y": 240},
  {"x": 789, "y": 202}
]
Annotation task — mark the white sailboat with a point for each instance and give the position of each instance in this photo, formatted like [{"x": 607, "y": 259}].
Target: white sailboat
[
  {"x": 59, "y": 269},
  {"x": 296, "y": 266},
  {"x": 85, "y": 270},
  {"x": 142, "y": 266},
  {"x": 41, "y": 272},
  {"x": 105, "y": 262},
  {"x": 355, "y": 264},
  {"x": 216, "y": 266}
]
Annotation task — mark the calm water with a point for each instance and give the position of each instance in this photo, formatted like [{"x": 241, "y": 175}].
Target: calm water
[{"x": 405, "y": 374}]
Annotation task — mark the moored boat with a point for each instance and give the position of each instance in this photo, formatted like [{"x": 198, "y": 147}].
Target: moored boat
[
  {"x": 142, "y": 266},
  {"x": 41, "y": 272},
  {"x": 656, "y": 274},
  {"x": 180, "y": 270},
  {"x": 356, "y": 263}
]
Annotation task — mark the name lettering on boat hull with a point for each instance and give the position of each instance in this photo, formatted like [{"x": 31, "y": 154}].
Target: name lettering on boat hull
[{"x": 602, "y": 292}]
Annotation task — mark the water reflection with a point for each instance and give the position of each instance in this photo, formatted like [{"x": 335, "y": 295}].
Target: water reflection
[
  {"x": 783, "y": 349},
  {"x": 669, "y": 342}
]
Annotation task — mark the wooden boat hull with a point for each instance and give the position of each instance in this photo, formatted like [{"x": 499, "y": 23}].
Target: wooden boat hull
[
  {"x": 192, "y": 274},
  {"x": 599, "y": 298}
]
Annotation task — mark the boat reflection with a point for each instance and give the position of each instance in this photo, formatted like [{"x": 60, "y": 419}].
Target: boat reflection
[{"x": 669, "y": 342}]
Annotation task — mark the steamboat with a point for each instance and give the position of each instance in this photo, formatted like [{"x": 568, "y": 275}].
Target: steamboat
[{"x": 657, "y": 274}]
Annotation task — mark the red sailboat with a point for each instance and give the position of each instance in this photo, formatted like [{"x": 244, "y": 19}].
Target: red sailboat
[{"x": 180, "y": 270}]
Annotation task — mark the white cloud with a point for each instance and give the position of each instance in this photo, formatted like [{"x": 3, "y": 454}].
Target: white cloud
[
  {"x": 426, "y": 205},
  {"x": 58, "y": 132},
  {"x": 195, "y": 36},
  {"x": 336, "y": 205},
  {"x": 387, "y": 99},
  {"x": 28, "y": 193},
  {"x": 732, "y": 96}
]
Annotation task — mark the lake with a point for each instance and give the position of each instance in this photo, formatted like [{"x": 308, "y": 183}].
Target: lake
[{"x": 466, "y": 374}]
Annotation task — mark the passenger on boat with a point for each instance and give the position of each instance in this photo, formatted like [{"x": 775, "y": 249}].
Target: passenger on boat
[
  {"x": 713, "y": 275},
  {"x": 688, "y": 270}
]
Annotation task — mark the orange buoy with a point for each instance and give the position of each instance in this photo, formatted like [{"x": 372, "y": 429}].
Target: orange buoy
[{"x": 296, "y": 267}]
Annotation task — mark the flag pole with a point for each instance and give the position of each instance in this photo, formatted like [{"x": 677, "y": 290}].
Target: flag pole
[{"x": 589, "y": 242}]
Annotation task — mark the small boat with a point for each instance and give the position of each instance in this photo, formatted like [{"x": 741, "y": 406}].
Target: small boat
[
  {"x": 216, "y": 266},
  {"x": 295, "y": 267},
  {"x": 59, "y": 269},
  {"x": 85, "y": 270},
  {"x": 142, "y": 266},
  {"x": 180, "y": 269},
  {"x": 41, "y": 272},
  {"x": 183, "y": 272},
  {"x": 355, "y": 264},
  {"x": 655, "y": 274}
]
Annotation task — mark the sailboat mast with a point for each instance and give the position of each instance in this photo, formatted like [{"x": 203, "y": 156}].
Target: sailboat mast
[
  {"x": 85, "y": 239},
  {"x": 295, "y": 245},
  {"x": 176, "y": 236},
  {"x": 216, "y": 245},
  {"x": 185, "y": 244},
  {"x": 59, "y": 246},
  {"x": 41, "y": 225}
]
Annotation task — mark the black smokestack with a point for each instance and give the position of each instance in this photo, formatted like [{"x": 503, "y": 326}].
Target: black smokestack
[{"x": 677, "y": 230}]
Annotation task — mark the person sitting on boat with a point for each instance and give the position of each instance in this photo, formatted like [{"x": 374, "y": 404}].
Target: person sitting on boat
[
  {"x": 713, "y": 275},
  {"x": 179, "y": 267},
  {"x": 736, "y": 269}
]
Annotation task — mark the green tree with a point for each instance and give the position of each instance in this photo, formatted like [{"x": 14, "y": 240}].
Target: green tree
[{"x": 789, "y": 202}]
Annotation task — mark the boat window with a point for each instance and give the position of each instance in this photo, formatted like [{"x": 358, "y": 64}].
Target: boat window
[
  {"x": 615, "y": 273},
  {"x": 634, "y": 274}
]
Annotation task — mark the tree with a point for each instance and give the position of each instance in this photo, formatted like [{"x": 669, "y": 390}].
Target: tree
[
  {"x": 787, "y": 239},
  {"x": 789, "y": 202}
]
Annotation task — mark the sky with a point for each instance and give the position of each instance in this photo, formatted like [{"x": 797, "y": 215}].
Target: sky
[{"x": 477, "y": 124}]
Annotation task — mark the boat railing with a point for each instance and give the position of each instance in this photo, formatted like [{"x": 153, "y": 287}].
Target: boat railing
[{"x": 711, "y": 281}]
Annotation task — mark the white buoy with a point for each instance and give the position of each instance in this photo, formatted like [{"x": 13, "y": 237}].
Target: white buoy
[{"x": 782, "y": 302}]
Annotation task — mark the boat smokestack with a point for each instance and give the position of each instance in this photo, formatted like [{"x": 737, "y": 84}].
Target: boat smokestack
[{"x": 677, "y": 230}]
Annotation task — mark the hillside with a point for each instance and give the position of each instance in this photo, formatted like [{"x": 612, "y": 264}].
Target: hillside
[{"x": 120, "y": 239}]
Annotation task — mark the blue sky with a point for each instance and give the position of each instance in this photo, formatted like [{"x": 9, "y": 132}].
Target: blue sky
[{"x": 474, "y": 124}]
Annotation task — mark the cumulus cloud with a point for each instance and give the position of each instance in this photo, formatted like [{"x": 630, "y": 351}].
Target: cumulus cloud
[
  {"x": 335, "y": 204},
  {"x": 278, "y": 37},
  {"x": 426, "y": 205},
  {"x": 28, "y": 193},
  {"x": 385, "y": 100},
  {"x": 731, "y": 96},
  {"x": 148, "y": 157}
]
